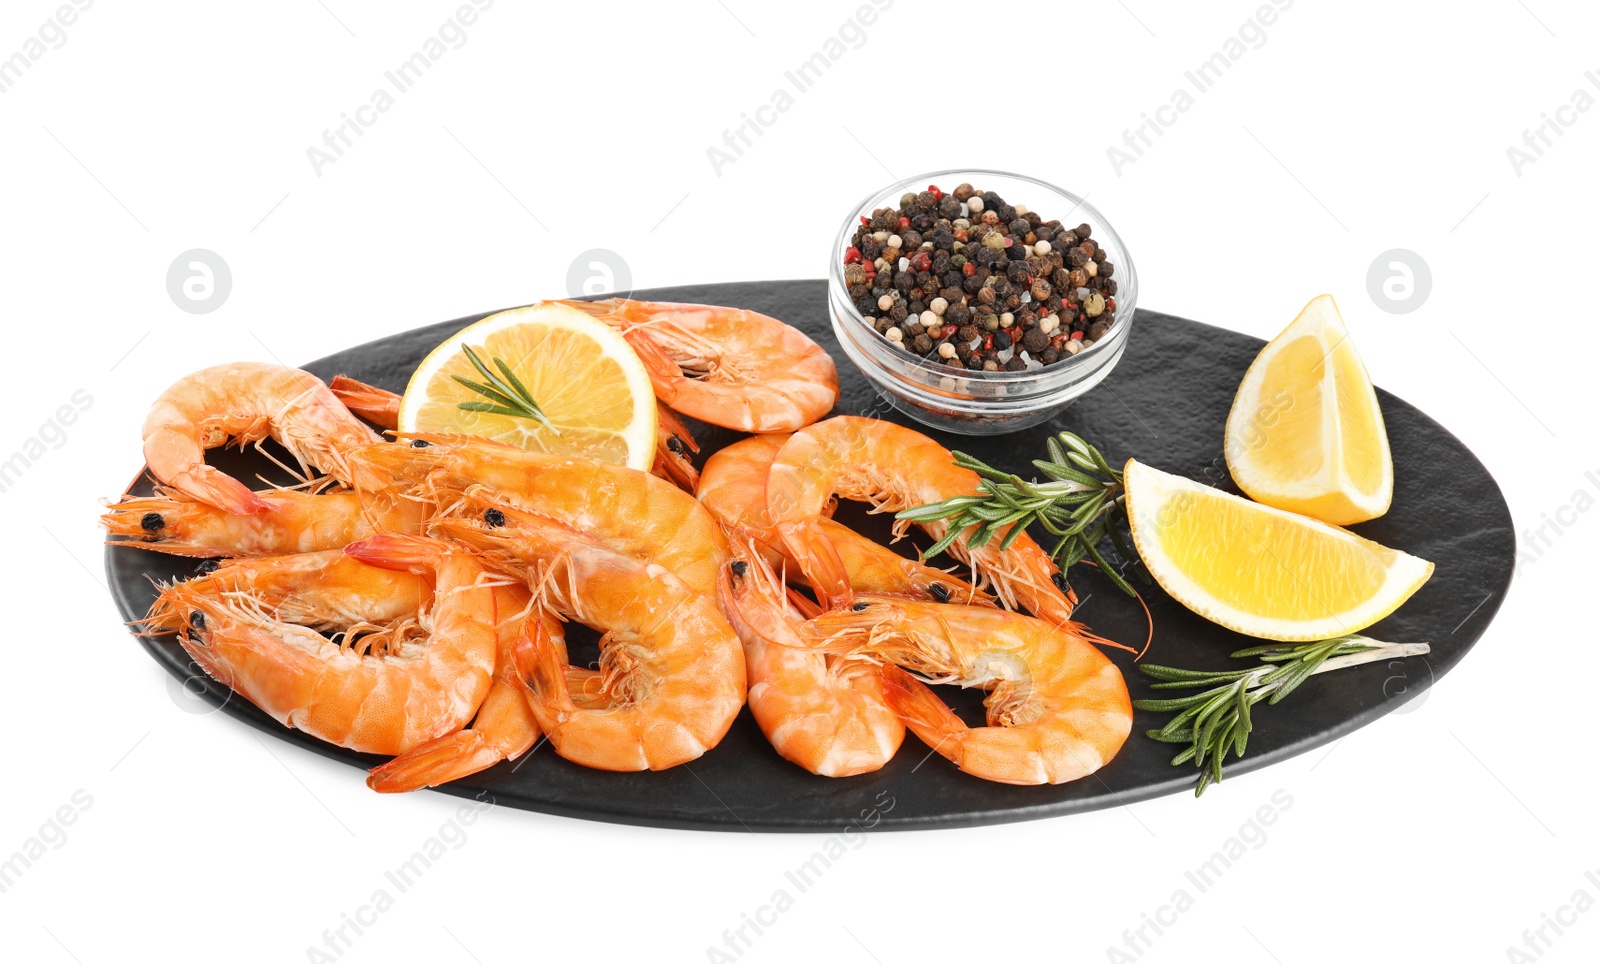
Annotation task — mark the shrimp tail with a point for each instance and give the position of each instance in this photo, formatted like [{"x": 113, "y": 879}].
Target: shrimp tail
[
  {"x": 543, "y": 674},
  {"x": 448, "y": 758},
  {"x": 399, "y": 552},
  {"x": 377, "y": 406},
  {"x": 217, "y": 488},
  {"x": 923, "y": 713},
  {"x": 664, "y": 371},
  {"x": 816, "y": 556}
]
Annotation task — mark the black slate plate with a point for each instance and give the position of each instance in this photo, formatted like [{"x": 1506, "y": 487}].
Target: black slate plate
[{"x": 1165, "y": 404}]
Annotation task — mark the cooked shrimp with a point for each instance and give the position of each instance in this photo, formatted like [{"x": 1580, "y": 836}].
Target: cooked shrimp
[
  {"x": 1058, "y": 709},
  {"x": 733, "y": 488},
  {"x": 671, "y": 676},
  {"x": 504, "y": 728},
  {"x": 893, "y": 468},
  {"x": 377, "y": 405},
  {"x": 824, "y": 713},
  {"x": 325, "y": 590},
  {"x": 675, "y": 446},
  {"x": 675, "y": 450},
  {"x": 630, "y": 511},
  {"x": 246, "y": 401},
  {"x": 726, "y": 366},
  {"x": 386, "y": 703},
  {"x": 294, "y": 522}
]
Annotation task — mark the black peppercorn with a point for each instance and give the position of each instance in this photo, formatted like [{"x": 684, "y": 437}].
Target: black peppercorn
[
  {"x": 1016, "y": 364},
  {"x": 922, "y": 344},
  {"x": 1098, "y": 330},
  {"x": 1019, "y": 227},
  {"x": 898, "y": 313},
  {"x": 1002, "y": 340},
  {"x": 1082, "y": 231},
  {"x": 1035, "y": 341},
  {"x": 1049, "y": 356}
]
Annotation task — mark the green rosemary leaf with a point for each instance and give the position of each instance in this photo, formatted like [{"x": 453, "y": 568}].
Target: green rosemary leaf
[
  {"x": 489, "y": 409},
  {"x": 515, "y": 382},
  {"x": 944, "y": 543},
  {"x": 487, "y": 392}
]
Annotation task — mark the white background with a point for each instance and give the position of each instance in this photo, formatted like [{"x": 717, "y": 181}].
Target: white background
[{"x": 1357, "y": 127}]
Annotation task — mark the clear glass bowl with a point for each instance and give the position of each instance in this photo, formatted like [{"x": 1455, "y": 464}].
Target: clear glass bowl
[{"x": 979, "y": 402}]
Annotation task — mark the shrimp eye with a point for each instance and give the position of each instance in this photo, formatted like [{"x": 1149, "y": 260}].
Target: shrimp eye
[
  {"x": 1060, "y": 579},
  {"x": 740, "y": 567},
  {"x": 197, "y": 619},
  {"x": 858, "y": 607},
  {"x": 420, "y": 443},
  {"x": 152, "y": 522},
  {"x": 939, "y": 593},
  {"x": 207, "y": 567},
  {"x": 675, "y": 445},
  {"x": 495, "y": 518}
]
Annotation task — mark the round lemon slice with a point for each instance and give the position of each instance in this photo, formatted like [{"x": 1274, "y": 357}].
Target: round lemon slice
[
  {"x": 1260, "y": 570},
  {"x": 548, "y": 378},
  {"x": 1305, "y": 432}
]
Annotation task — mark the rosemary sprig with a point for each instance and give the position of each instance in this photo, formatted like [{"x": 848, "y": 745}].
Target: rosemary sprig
[
  {"x": 1217, "y": 721},
  {"x": 1081, "y": 506},
  {"x": 505, "y": 391}
]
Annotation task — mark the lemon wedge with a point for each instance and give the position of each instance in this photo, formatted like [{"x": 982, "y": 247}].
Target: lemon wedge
[
  {"x": 1305, "y": 432},
  {"x": 1260, "y": 570},
  {"x": 557, "y": 381}
]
